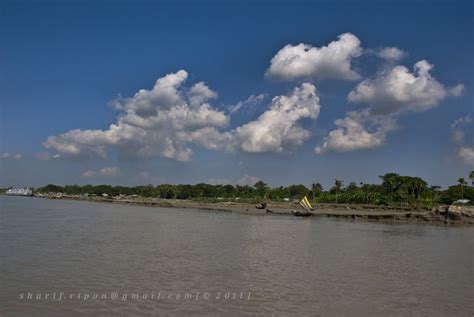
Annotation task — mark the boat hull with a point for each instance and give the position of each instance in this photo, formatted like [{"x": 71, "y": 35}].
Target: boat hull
[{"x": 302, "y": 214}]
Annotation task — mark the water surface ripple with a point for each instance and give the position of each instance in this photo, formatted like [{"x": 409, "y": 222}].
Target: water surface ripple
[{"x": 290, "y": 266}]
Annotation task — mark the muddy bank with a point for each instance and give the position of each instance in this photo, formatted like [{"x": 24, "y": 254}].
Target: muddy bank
[{"x": 440, "y": 215}]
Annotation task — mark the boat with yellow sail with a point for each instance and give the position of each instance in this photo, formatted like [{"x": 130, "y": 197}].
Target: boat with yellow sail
[{"x": 307, "y": 208}]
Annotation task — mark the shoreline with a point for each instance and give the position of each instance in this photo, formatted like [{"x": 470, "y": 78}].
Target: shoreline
[{"x": 447, "y": 215}]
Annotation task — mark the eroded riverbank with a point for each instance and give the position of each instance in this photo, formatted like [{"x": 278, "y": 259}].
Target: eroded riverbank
[{"x": 451, "y": 215}]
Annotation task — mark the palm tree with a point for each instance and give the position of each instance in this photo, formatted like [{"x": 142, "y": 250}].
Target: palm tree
[
  {"x": 391, "y": 181},
  {"x": 462, "y": 182},
  {"x": 364, "y": 190},
  {"x": 471, "y": 177},
  {"x": 337, "y": 185}
]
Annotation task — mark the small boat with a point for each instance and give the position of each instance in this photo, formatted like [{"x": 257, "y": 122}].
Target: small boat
[
  {"x": 261, "y": 206},
  {"x": 307, "y": 208}
]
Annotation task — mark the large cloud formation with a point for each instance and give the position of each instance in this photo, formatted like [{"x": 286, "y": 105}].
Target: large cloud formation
[
  {"x": 398, "y": 90},
  {"x": 156, "y": 122},
  {"x": 171, "y": 118},
  {"x": 393, "y": 91},
  {"x": 327, "y": 62},
  {"x": 357, "y": 131},
  {"x": 166, "y": 120},
  {"x": 278, "y": 129}
]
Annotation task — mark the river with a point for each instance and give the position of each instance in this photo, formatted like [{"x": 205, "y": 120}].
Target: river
[{"x": 107, "y": 259}]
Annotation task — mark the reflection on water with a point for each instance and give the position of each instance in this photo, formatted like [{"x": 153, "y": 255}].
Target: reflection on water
[{"x": 290, "y": 266}]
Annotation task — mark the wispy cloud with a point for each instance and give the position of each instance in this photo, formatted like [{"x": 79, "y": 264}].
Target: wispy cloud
[
  {"x": 250, "y": 102},
  {"x": 89, "y": 174},
  {"x": 112, "y": 171},
  {"x": 458, "y": 131},
  {"x": 11, "y": 156},
  {"x": 43, "y": 156},
  {"x": 247, "y": 180},
  {"x": 392, "y": 54}
]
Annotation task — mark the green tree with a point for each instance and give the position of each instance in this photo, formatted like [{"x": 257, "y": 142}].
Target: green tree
[
  {"x": 365, "y": 188},
  {"x": 471, "y": 177},
  {"x": 261, "y": 189},
  {"x": 165, "y": 191},
  {"x": 337, "y": 187},
  {"x": 316, "y": 190},
  {"x": 297, "y": 191},
  {"x": 391, "y": 182},
  {"x": 51, "y": 188},
  {"x": 462, "y": 182}
]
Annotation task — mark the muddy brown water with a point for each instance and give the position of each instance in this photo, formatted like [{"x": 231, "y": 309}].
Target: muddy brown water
[{"x": 130, "y": 260}]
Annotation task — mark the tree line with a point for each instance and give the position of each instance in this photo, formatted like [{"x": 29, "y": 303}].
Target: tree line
[{"x": 394, "y": 189}]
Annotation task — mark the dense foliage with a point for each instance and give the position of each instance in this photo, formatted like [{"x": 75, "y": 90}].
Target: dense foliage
[{"x": 394, "y": 189}]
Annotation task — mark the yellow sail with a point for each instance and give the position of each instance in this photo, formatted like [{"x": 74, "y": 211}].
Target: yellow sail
[{"x": 305, "y": 204}]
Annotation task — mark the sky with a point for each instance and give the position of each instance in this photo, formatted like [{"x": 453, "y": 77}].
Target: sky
[{"x": 138, "y": 92}]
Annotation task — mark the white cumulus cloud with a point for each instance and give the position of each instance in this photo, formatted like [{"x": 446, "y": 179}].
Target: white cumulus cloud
[
  {"x": 166, "y": 120},
  {"x": 394, "y": 91},
  {"x": 157, "y": 122},
  {"x": 397, "y": 90},
  {"x": 278, "y": 129},
  {"x": 200, "y": 93},
  {"x": 327, "y": 62},
  {"x": 357, "y": 131}
]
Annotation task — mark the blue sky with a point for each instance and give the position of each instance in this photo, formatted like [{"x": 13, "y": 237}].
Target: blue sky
[{"x": 62, "y": 64}]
